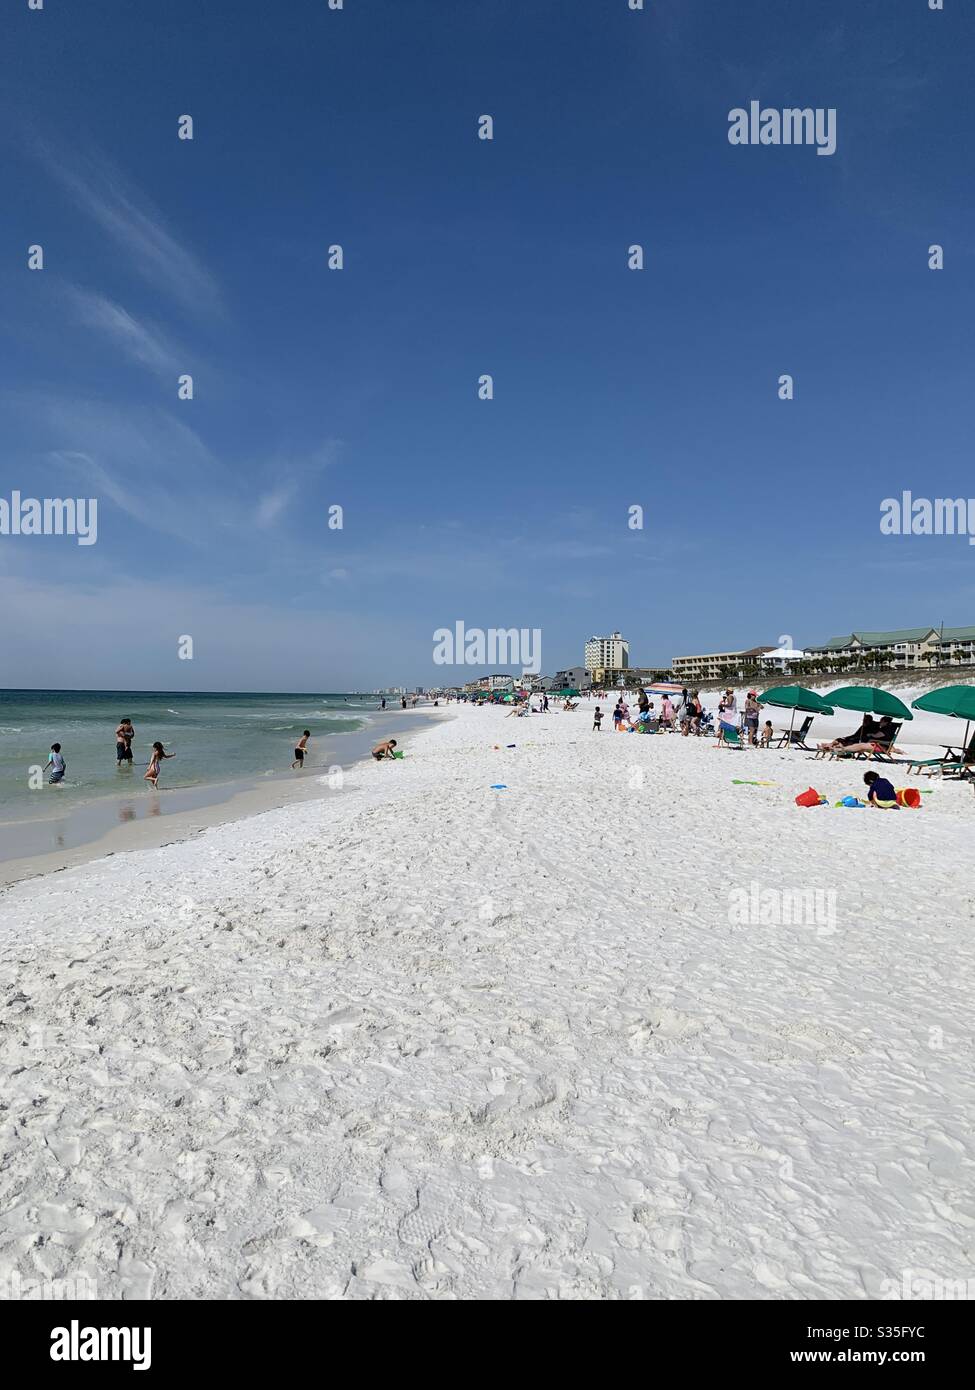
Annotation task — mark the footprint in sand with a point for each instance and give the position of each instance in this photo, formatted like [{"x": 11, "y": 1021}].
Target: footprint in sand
[{"x": 429, "y": 1220}]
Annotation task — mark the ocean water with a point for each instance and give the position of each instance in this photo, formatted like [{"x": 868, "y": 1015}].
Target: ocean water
[{"x": 216, "y": 738}]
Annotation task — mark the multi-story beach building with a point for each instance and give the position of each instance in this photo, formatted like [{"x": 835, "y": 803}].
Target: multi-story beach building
[
  {"x": 611, "y": 653},
  {"x": 715, "y": 665},
  {"x": 607, "y": 677},
  {"x": 496, "y": 682},
  {"x": 956, "y": 644},
  {"x": 905, "y": 649}
]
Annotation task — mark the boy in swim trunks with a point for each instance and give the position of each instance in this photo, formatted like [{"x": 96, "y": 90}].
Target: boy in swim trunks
[
  {"x": 384, "y": 749},
  {"x": 56, "y": 763},
  {"x": 301, "y": 748}
]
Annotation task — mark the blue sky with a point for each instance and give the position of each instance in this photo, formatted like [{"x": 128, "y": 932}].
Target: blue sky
[{"x": 359, "y": 387}]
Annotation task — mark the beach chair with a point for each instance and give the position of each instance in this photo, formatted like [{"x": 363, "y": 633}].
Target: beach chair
[
  {"x": 844, "y": 754},
  {"x": 729, "y": 738},
  {"x": 882, "y": 755},
  {"x": 796, "y": 738},
  {"x": 930, "y": 767}
]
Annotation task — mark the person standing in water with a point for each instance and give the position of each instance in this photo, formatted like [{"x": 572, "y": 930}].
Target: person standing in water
[
  {"x": 152, "y": 771},
  {"x": 301, "y": 748},
  {"x": 57, "y": 765},
  {"x": 124, "y": 735}
]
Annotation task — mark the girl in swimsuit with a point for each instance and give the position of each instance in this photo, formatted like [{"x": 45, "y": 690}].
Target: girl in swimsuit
[{"x": 152, "y": 771}]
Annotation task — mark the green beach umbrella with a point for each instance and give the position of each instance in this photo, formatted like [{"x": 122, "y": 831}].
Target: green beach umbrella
[
  {"x": 795, "y": 697},
  {"x": 868, "y": 699},
  {"x": 957, "y": 701}
]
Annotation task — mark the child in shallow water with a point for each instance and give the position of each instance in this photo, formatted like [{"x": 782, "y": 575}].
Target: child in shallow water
[
  {"x": 152, "y": 771},
  {"x": 56, "y": 764}
]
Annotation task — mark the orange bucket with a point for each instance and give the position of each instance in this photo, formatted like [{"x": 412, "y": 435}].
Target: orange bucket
[
  {"x": 808, "y": 798},
  {"x": 910, "y": 797}
]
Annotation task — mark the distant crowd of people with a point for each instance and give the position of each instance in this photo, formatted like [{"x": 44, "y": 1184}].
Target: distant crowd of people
[{"x": 688, "y": 716}]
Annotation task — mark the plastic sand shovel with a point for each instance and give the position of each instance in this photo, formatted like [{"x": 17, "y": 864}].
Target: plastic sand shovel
[
  {"x": 499, "y": 786},
  {"x": 744, "y": 782}
]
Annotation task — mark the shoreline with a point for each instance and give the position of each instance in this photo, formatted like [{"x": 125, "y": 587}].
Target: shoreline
[{"x": 123, "y": 823}]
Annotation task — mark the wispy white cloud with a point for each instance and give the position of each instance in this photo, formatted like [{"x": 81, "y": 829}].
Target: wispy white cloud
[
  {"x": 147, "y": 462},
  {"x": 292, "y": 474},
  {"x": 272, "y": 504},
  {"x": 101, "y": 191},
  {"x": 140, "y": 341}
]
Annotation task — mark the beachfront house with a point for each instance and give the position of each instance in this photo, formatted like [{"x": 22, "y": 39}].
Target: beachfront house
[{"x": 573, "y": 678}]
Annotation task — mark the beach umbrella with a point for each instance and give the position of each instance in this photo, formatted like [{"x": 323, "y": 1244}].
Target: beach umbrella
[
  {"x": 957, "y": 701},
  {"x": 663, "y": 688},
  {"x": 869, "y": 700},
  {"x": 796, "y": 698}
]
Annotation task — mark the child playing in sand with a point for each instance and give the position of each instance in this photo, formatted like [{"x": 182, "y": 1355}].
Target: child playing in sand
[
  {"x": 767, "y": 733},
  {"x": 384, "y": 749},
  {"x": 152, "y": 771},
  {"x": 597, "y": 718},
  {"x": 301, "y": 748},
  {"x": 881, "y": 796}
]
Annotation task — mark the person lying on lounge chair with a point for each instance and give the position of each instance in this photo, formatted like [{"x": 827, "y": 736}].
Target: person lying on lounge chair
[
  {"x": 874, "y": 746},
  {"x": 865, "y": 734}
]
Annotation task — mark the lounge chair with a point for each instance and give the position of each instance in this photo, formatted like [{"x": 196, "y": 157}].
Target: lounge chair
[
  {"x": 796, "y": 738},
  {"x": 931, "y": 767},
  {"x": 731, "y": 738}
]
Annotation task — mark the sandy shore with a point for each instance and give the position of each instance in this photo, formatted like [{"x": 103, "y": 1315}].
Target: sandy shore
[{"x": 428, "y": 1039}]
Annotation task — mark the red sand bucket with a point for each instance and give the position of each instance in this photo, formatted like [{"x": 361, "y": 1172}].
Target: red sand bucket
[
  {"x": 808, "y": 798},
  {"x": 909, "y": 796}
]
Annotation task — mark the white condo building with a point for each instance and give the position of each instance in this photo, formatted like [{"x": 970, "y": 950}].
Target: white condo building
[{"x": 611, "y": 652}]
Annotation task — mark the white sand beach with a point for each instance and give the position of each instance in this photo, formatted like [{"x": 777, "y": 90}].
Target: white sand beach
[{"x": 429, "y": 1039}]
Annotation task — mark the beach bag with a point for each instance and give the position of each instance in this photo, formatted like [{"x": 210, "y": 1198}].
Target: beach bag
[{"x": 808, "y": 798}]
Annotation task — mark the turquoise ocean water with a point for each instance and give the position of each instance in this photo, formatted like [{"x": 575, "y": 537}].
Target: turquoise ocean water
[{"x": 216, "y": 737}]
